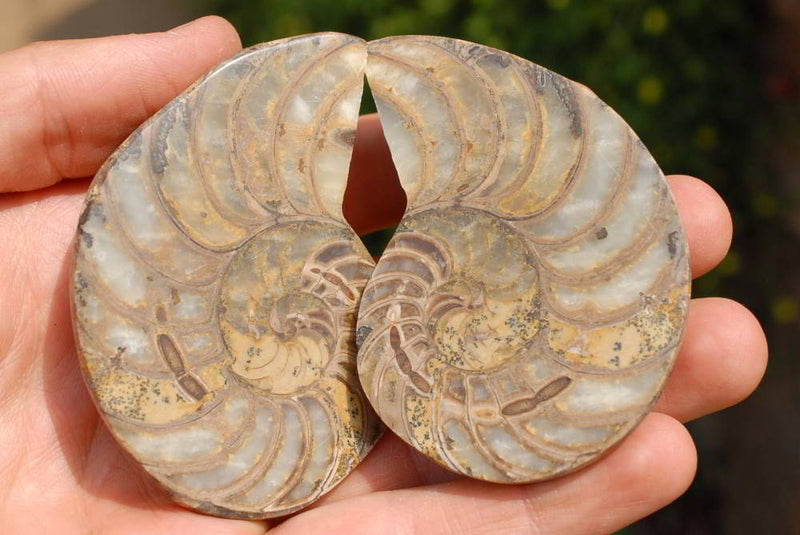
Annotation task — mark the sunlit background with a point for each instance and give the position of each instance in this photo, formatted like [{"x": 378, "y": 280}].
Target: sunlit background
[{"x": 712, "y": 88}]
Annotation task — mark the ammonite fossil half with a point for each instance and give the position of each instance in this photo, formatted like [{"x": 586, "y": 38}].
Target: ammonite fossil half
[
  {"x": 528, "y": 310},
  {"x": 216, "y": 283},
  {"x": 522, "y": 320}
]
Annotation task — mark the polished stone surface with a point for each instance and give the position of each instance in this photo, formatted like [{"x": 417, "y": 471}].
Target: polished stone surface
[
  {"x": 522, "y": 321},
  {"x": 527, "y": 312},
  {"x": 216, "y": 284}
]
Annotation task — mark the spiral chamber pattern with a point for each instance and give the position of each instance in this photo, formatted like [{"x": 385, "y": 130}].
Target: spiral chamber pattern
[
  {"x": 523, "y": 319},
  {"x": 528, "y": 310},
  {"x": 216, "y": 284}
]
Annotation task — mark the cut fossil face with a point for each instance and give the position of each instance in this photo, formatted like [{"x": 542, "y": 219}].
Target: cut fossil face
[
  {"x": 528, "y": 310},
  {"x": 522, "y": 320},
  {"x": 216, "y": 284}
]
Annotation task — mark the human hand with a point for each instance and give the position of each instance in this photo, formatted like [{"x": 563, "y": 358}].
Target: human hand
[{"x": 65, "y": 107}]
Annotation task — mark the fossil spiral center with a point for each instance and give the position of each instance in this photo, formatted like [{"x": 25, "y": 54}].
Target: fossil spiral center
[
  {"x": 474, "y": 331},
  {"x": 277, "y": 320},
  {"x": 469, "y": 280}
]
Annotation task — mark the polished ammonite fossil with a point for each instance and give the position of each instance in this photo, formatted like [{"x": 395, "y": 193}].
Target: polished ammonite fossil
[
  {"x": 527, "y": 312},
  {"x": 216, "y": 283},
  {"x": 522, "y": 320}
]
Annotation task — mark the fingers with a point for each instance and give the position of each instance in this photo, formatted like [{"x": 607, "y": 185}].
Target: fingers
[
  {"x": 373, "y": 199},
  {"x": 121, "y": 492},
  {"x": 66, "y": 105},
  {"x": 721, "y": 361},
  {"x": 650, "y": 469},
  {"x": 392, "y": 464},
  {"x": 37, "y": 228},
  {"x": 706, "y": 219}
]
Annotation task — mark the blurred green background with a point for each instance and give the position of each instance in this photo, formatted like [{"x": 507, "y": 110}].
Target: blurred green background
[{"x": 713, "y": 89}]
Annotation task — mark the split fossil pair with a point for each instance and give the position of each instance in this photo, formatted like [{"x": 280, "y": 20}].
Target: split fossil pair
[{"x": 523, "y": 319}]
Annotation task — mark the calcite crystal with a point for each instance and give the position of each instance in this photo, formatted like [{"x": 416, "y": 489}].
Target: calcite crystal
[
  {"x": 216, "y": 284},
  {"x": 528, "y": 310},
  {"x": 523, "y": 319}
]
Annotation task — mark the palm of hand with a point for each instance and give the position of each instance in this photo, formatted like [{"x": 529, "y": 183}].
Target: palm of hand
[{"x": 61, "y": 471}]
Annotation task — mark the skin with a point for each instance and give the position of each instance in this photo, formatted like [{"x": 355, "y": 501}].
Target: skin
[{"x": 65, "y": 107}]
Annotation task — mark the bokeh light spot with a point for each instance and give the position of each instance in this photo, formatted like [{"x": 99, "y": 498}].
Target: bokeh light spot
[
  {"x": 650, "y": 90},
  {"x": 558, "y": 4},
  {"x": 765, "y": 204},
  {"x": 706, "y": 137},
  {"x": 785, "y": 310},
  {"x": 655, "y": 20}
]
